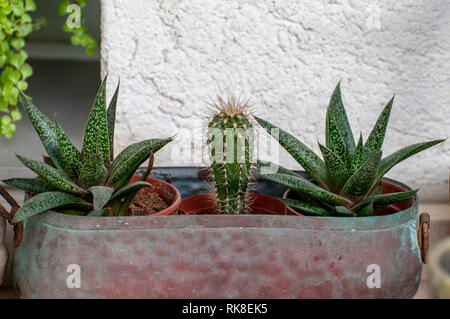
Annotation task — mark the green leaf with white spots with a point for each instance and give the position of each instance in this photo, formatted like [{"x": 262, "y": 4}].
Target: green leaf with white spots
[
  {"x": 304, "y": 186},
  {"x": 377, "y": 190},
  {"x": 337, "y": 171},
  {"x": 101, "y": 195},
  {"x": 129, "y": 160},
  {"x": 357, "y": 160},
  {"x": 336, "y": 110},
  {"x": 111, "y": 117},
  {"x": 390, "y": 161},
  {"x": 48, "y": 161},
  {"x": 73, "y": 212},
  {"x": 381, "y": 201},
  {"x": 312, "y": 163},
  {"x": 46, "y": 201},
  {"x": 376, "y": 138},
  {"x": 93, "y": 172},
  {"x": 265, "y": 167},
  {"x": 30, "y": 185},
  {"x": 344, "y": 211},
  {"x": 130, "y": 189},
  {"x": 366, "y": 210},
  {"x": 336, "y": 142},
  {"x": 100, "y": 213},
  {"x": 71, "y": 157},
  {"x": 45, "y": 130},
  {"x": 96, "y": 136},
  {"x": 362, "y": 180},
  {"x": 53, "y": 176},
  {"x": 306, "y": 207}
]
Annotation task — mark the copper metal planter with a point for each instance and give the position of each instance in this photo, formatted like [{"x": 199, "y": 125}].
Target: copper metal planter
[{"x": 210, "y": 256}]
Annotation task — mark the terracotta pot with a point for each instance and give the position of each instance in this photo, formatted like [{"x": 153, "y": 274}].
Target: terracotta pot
[
  {"x": 260, "y": 204},
  {"x": 169, "y": 193},
  {"x": 388, "y": 188}
]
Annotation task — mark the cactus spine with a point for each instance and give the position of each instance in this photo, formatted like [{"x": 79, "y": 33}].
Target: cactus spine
[{"x": 230, "y": 141}]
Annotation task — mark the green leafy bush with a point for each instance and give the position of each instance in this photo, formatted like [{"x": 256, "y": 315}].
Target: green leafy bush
[
  {"x": 347, "y": 180},
  {"x": 16, "y": 24},
  {"x": 87, "y": 182}
]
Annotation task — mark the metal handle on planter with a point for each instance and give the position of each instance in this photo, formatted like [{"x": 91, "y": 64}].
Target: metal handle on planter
[
  {"x": 423, "y": 236},
  {"x": 9, "y": 216}
]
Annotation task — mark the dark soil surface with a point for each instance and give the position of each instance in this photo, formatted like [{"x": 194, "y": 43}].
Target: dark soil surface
[{"x": 146, "y": 204}]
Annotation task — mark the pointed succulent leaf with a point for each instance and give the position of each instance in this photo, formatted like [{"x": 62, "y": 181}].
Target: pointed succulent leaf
[
  {"x": 101, "y": 195},
  {"x": 336, "y": 110},
  {"x": 302, "y": 185},
  {"x": 312, "y": 163},
  {"x": 100, "y": 212},
  {"x": 344, "y": 211},
  {"x": 357, "y": 160},
  {"x": 376, "y": 138},
  {"x": 71, "y": 157},
  {"x": 336, "y": 169},
  {"x": 362, "y": 180},
  {"x": 45, "y": 130},
  {"x": 390, "y": 161},
  {"x": 54, "y": 177},
  {"x": 46, "y": 201},
  {"x": 129, "y": 189},
  {"x": 306, "y": 207},
  {"x": 377, "y": 190},
  {"x": 366, "y": 210},
  {"x": 74, "y": 212},
  {"x": 380, "y": 201},
  {"x": 129, "y": 160},
  {"x": 111, "y": 117},
  {"x": 96, "y": 136},
  {"x": 124, "y": 206},
  {"x": 265, "y": 167},
  {"x": 30, "y": 185},
  {"x": 93, "y": 172},
  {"x": 48, "y": 161},
  {"x": 336, "y": 142}
]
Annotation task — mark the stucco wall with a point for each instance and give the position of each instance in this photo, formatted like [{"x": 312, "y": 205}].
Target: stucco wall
[{"x": 287, "y": 56}]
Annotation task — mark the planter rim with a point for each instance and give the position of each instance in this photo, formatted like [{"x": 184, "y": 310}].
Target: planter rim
[{"x": 217, "y": 221}]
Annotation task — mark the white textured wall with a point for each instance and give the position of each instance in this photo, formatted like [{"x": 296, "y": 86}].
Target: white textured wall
[{"x": 286, "y": 56}]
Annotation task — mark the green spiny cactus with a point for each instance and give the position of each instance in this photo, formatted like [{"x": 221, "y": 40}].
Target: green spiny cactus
[{"x": 230, "y": 139}]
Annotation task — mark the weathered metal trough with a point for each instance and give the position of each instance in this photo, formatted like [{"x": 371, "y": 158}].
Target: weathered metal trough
[{"x": 211, "y": 256}]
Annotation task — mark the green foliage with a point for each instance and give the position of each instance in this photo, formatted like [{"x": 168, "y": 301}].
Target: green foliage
[
  {"x": 16, "y": 24},
  {"x": 230, "y": 140},
  {"x": 348, "y": 180},
  {"x": 80, "y": 36},
  {"x": 86, "y": 182}
]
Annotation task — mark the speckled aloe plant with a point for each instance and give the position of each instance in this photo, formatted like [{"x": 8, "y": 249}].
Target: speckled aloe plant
[
  {"x": 87, "y": 182},
  {"x": 230, "y": 141},
  {"x": 347, "y": 180}
]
